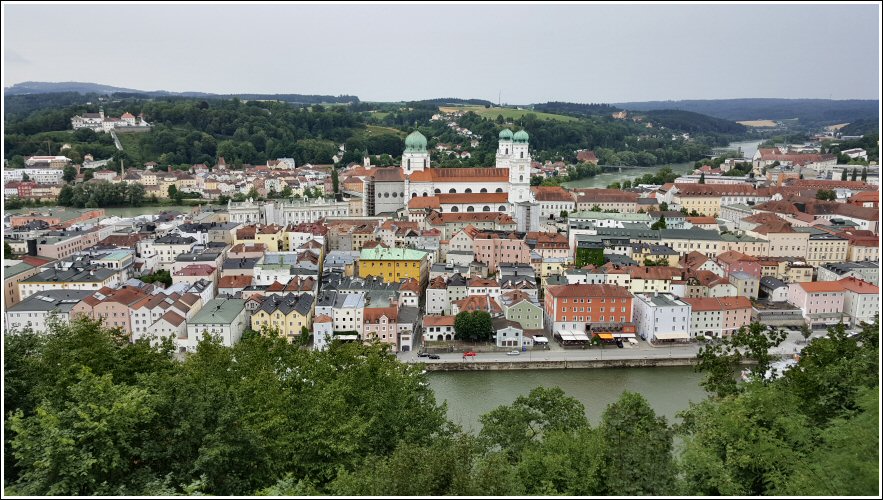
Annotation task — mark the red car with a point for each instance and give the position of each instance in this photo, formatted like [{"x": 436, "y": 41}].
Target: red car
[{"x": 468, "y": 353}]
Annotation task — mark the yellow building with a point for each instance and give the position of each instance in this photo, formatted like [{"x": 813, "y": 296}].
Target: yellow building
[
  {"x": 273, "y": 236},
  {"x": 289, "y": 314},
  {"x": 394, "y": 264}
]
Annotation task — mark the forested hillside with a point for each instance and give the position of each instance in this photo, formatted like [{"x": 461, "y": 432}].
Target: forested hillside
[
  {"x": 807, "y": 111},
  {"x": 687, "y": 121}
]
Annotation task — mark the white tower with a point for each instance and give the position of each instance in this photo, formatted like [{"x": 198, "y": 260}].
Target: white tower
[
  {"x": 415, "y": 158},
  {"x": 504, "y": 149},
  {"x": 519, "y": 168}
]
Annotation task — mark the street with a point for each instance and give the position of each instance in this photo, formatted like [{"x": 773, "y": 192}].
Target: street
[{"x": 792, "y": 344}]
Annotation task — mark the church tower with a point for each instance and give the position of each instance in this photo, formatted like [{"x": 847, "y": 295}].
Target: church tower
[
  {"x": 504, "y": 149},
  {"x": 519, "y": 168},
  {"x": 415, "y": 158}
]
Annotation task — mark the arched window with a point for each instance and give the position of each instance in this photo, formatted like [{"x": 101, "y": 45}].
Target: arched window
[
  {"x": 502, "y": 208},
  {"x": 455, "y": 209},
  {"x": 409, "y": 164},
  {"x": 413, "y": 195},
  {"x": 522, "y": 154},
  {"x": 425, "y": 194},
  {"x": 452, "y": 190},
  {"x": 499, "y": 190},
  {"x": 483, "y": 190},
  {"x": 437, "y": 191},
  {"x": 468, "y": 190},
  {"x": 486, "y": 209},
  {"x": 507, "y": 150},
  {"x": 470, "y": 208}
]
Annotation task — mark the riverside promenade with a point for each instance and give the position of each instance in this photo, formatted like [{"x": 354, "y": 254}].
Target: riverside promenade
[{"x": 642, "y": 355}]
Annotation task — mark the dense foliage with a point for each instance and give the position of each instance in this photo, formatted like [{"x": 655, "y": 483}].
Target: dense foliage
[
  {"x": 688, "y": 121},
  {"x": 88, "y": 413},
  {"x": 101, "y": 194}
]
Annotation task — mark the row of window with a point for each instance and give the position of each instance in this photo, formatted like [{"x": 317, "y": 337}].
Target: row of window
[
  {"x": 589, "y": 318},
  {"x": 589, "y": 309}
]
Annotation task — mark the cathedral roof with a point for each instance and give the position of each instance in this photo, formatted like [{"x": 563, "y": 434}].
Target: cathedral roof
[
  {"x": 505, "y": 135},
  {"x": 520, "y": 136},
  {"x": 461, "y": 175},
  {"x": 415, "y": 142}
]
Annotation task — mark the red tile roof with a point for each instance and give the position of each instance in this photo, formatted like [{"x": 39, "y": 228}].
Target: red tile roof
[
  {"x": 859, "y": 286},
  {"x": 822, "y": 286},
  {"x": 438, "y": 321},
  {"x": 585, "y": 290}
]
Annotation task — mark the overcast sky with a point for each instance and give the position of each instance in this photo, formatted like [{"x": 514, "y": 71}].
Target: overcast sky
[{"x": 536, "y": 53}]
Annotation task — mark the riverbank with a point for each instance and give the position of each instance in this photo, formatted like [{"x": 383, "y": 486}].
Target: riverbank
[{"x": 492, "y": 365}]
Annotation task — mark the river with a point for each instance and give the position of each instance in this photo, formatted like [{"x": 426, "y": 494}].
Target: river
[
  {"x": 135, "y": 211},
  {"x": 629, "y": 173},
  {"x": 472, "y": 394}
]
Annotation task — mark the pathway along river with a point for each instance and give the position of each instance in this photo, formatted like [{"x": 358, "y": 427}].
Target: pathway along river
[{"x": 472, "y": 394}]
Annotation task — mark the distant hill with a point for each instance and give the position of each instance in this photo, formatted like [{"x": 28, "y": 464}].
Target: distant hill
[
  {"x": 807, "y": 111},
  {"x": 52, "y": 87},
  {"x": 861, "y": 127},
  {"x": 30, "y": 88},
  {"x": 688, "y": 121},
  {"x": 455, "y": 101},
  {"x": 575, "y": 108}
]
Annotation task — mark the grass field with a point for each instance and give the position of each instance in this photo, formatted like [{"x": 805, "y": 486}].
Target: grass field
[
  {"x": 508, "y": 113},
  {"x": 376, "y": 129},
  {"x": 758, "y": 123},
  {"x": 132, "y": 147}
]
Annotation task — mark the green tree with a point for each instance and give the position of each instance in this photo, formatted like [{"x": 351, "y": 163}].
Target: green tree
[
  {"x": 702, "y": 178},
  {"x": 70, "y": 173},
  {"x": 854, "y": 174},
  {"x": 843, "y": 174},
  {"x": 95, "y": 438},
  {"x": 805, "y": 332},
  {"x": 663, "y": 207},
  {"x": 160, "y": 276},
  {"x": 865, "y": 174},
  {"x": 511, "y": 428},
  {"x": 335, "y": 181},
  {"x": 826, "y": 194},
  {"x": 636, "y": 449},
  {"x": 7, "y": 250},
  {"x": 659, "y": 224},
  {"x": 474, "y": 326},
  {"x": 755, "y": 341},
  {"x": 173, "y": 191}
]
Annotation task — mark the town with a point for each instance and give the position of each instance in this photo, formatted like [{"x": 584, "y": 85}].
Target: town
[{"x": 434, "y": 260}]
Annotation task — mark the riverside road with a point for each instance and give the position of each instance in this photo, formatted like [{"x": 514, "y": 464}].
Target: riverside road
[{"x": 793, "y": 344}]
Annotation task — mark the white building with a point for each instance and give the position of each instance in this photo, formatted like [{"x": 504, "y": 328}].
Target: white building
[
  {"x": 286, "y": 212},
  {"x": 861, "y": 300},
  {"x": 223, "y": 318},
  {"x": 661, "y": 316},
  {"x": 34, "y": 311}
]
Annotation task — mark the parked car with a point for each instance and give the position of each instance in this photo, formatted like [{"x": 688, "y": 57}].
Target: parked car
[
  {"x": 513, "y": 353},
  {"x": 434, "y": 356},
  {"x": 422, "y": 354}
]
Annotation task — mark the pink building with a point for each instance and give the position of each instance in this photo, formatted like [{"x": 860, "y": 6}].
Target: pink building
[
  {"x": 732, "y": 262},
  {"x": 381, "y": 324},
  {"x": 494, "y": 248},
  {"x": 820, "y": 301},
  {"x": 113, "y": 306}
]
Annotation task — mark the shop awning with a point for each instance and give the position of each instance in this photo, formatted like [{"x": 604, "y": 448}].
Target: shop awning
[
  {"x": 624, "y": 335},
  {"x": 671, "y": 335},
  {"x": 605, "y": 336}
]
